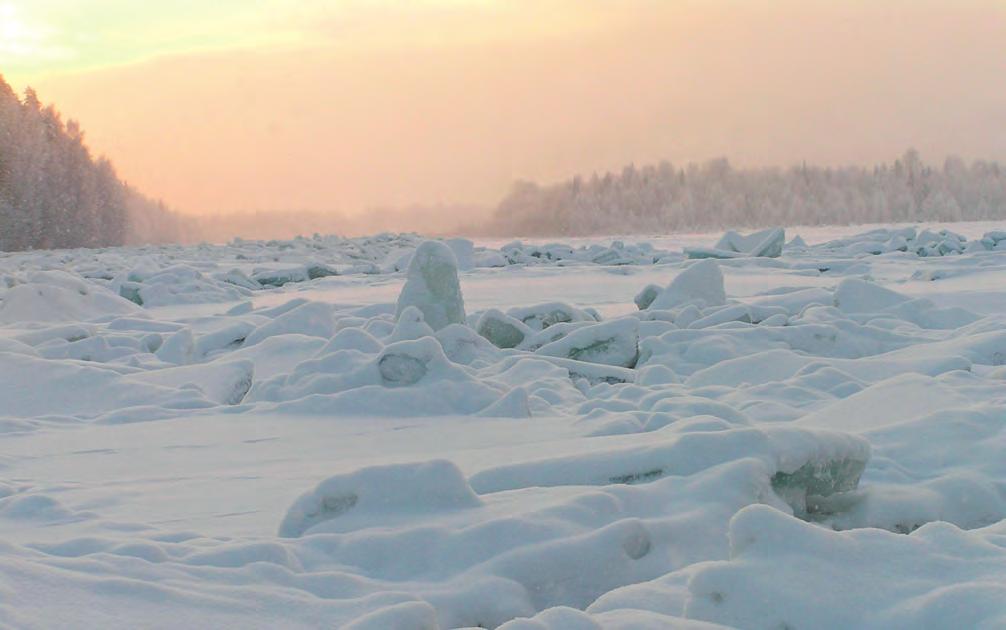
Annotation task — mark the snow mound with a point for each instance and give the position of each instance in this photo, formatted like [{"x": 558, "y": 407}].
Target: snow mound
[
  {"x": 859, "y": 296},
  {"x": 410, "y": 325},
  {"x": 54, "y": 296},
  {"x": 224, "y": 382},
  {"x": 150, "y": 284},
  {"x": 922, "y": 243},
  {"x": 31, "y": 387},
  {"x": 610, "y": 343},
  {"x": 377, "y": 495},
  {"x": 541, "y": 316},
  {"x": 502, "y": 330},
  {"x": 765, "y": 243},
  {"x": 700, "y": 283},
  {"x": 803, "y": 465},
  {"x": 940, "y": 576},
  {"x": 314, "y": 319}
]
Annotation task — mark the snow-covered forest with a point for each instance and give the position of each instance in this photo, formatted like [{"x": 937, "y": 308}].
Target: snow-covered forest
[
  {"x": 55, "y": 194},
  {"x": 664, "y": 197}
]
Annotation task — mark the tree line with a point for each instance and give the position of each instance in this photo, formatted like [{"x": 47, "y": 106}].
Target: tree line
[
  {"x": 663, "y": 198},
  {"x": 55, "y": 194}
]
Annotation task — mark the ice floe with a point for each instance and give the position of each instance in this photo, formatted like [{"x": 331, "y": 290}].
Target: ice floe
[{"x": 601, "y": 433}]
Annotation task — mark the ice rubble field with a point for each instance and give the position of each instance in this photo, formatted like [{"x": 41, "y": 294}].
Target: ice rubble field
[{"x": 386, "y": 433}]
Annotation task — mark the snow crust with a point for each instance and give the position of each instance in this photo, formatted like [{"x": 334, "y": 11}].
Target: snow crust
[{"x": 600, "y": 434}]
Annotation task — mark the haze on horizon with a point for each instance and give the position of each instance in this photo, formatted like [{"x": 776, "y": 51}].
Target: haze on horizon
[{"x": 344, "y": 105}]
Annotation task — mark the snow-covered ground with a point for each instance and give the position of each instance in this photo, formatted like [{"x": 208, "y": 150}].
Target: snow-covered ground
[{"x": 276, "y": 435}]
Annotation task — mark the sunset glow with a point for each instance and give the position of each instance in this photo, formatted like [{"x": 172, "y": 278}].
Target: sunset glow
[{"x": 343, "y": 105}]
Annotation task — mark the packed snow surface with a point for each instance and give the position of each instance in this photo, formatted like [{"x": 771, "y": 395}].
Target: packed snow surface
[{"x": 398, "y": 433}]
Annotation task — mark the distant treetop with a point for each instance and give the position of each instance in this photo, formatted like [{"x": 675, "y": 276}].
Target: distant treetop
[{"x": 662, "y": 198}]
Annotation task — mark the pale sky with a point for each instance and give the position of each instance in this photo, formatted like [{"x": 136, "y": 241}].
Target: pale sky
[{"x": 231, "y": 105}]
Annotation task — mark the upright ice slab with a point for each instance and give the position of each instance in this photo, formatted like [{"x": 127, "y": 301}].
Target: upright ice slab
[{"x": 432, "y": 286}]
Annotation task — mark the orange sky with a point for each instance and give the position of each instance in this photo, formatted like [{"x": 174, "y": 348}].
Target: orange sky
[{"x": 343, "y": 105}]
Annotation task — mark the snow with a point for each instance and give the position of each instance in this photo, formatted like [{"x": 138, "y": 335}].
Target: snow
[{"x": 314, "y": 433}]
